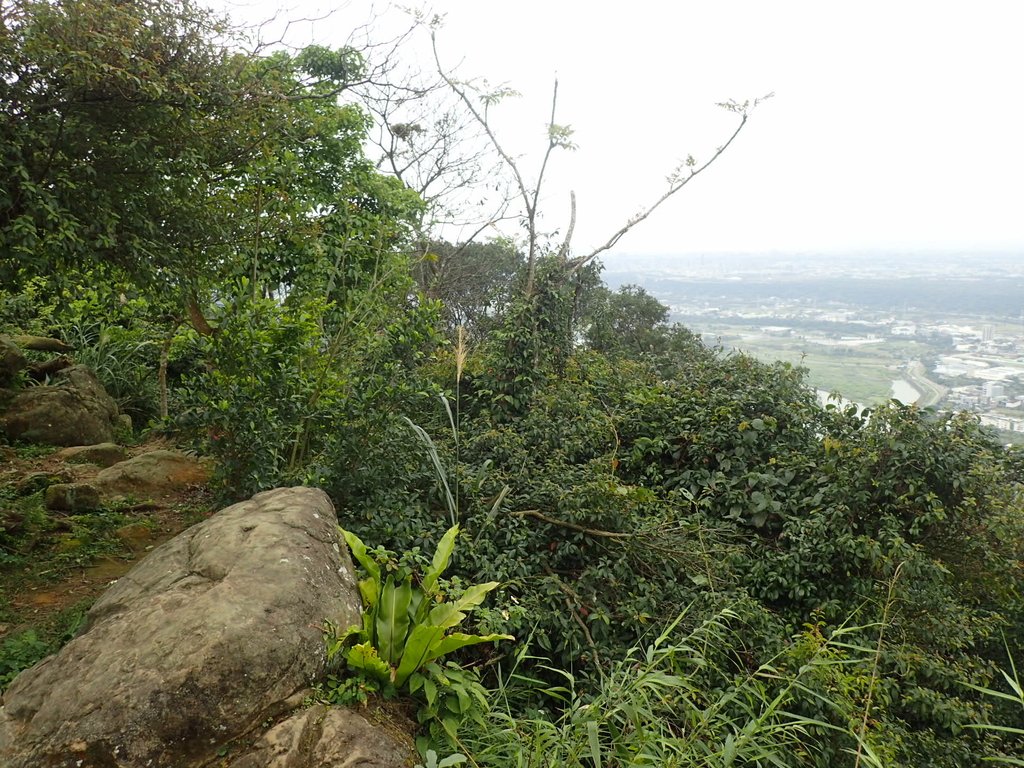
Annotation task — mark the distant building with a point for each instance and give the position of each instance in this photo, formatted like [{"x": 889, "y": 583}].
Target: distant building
[
  {"x": 1005, "y": 423},
  {"x": 993, "y": 390}
]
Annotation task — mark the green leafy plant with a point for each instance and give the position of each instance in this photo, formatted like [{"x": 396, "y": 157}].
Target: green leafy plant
[
  {"x": 347, "y": 691},
  {"x": 23, "y": 649},
  {"x": 668, "y": 702},
  {"x": 406, "y": 626},
  {"x": 1015, "y": 699},
  {"x": 431, "y": 760},
  {"x": 20, "y": 652},
  {"x": 451, "y": 695}
]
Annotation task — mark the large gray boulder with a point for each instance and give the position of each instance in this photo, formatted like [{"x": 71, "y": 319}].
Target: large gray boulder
[
  {"x": 74, "y": 410},
  {"x": 214, "y": 634}
]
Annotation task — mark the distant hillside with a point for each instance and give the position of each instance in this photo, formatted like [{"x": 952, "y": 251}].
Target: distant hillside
[{"x": 1002, "y": 298}]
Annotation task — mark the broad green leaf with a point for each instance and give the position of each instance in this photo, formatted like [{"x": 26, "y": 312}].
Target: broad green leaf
[
  {"x": 418, "y": 650},
  {"x": 442, "y": 556},
  {"x": 451, "y": 726},
  {"x": 446, "y": 615},
  {"x": 416, "y": 682},
  {"x": 419, "y": 605},
  {"x": 363, "y": 657},
  {"x": 457, "y": 640},
  {"x": 360, "y": 554},
  {"x": 369, "y": 590},
  {"x": 475, "y": 595},
  {"x": 456, "y": 759},
  {"x": 392, "y": 619},
  {"x": 430, "y": 691},
  {"x": 594, "y": 740},
  {"x": 336, "y": 643}
]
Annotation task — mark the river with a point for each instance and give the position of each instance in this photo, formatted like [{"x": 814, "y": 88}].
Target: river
[
  {"x": 901, "y": 390},
  {"x": 905, "y": 392}
]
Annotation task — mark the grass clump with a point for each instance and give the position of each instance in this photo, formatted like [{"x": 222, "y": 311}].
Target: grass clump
[
  {"x": 25, "y": 648},
  {"x": 672, "y": 702}
]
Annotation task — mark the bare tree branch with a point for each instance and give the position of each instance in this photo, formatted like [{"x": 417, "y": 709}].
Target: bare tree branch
[
  {"x": 563, "y": 252},
  {"x": 677, "y": 180}
]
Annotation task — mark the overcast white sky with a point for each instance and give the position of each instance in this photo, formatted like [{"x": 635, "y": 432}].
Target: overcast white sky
[{"x": 895, "y": 125}]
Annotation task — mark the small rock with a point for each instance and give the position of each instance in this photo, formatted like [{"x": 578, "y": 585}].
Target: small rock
[
  {"x": 38, "y": 481},
  {"x": 71, "y": 497},
  {"x": 101, "y": 454},
  {"x": 74, "y": 410},
  {"x": 11, "y": 520},
  {"x": 137, "y": 536}
]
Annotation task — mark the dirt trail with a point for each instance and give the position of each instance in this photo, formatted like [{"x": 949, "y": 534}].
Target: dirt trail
[{"x": 40, "y": 590}]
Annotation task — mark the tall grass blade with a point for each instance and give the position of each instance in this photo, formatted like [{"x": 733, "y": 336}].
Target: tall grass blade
[{"x": 435, "y": 459}]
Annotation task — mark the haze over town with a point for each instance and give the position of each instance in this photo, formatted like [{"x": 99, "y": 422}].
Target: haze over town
[{"x": 936, "y": 329}]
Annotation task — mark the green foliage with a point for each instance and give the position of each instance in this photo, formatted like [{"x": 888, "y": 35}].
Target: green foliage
[
  {"x": 406, "y": 626},
  {"x": 287, "y": 390},
  {"x": 24, "y": 525},
  {"x": 451, "y": 695},
  {"x": 22, "y": 650},
  {"x": 620, "y": 490},
  {"x": 628, "y": 322},
  {"x": 430, "y": 760},
  {"x": 118, "y": 338},
  {"x": 348, "y": 691},
  {"x": 533, "y": 342},
  {"x": 667, "y": 703},
  {"x": 253, "y": 413},
  {"x": 140, "y": 143},
  {"x": 1015, "y": 698},
  {"x": 94, "y": 96},
  {"x": 476, "y": 282}
]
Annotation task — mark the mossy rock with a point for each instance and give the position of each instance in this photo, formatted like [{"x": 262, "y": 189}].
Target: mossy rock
[{"x": 72, "y": 497}]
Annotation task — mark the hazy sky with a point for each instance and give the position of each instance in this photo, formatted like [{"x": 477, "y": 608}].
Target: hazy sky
[{"x": 895, "y": 125}]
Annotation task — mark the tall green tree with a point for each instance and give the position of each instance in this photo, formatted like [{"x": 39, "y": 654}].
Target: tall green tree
[
  {"x": 628, "y": 320},
  {"x": 137, "y": 139},
  {"x": 476, "y": 281}
]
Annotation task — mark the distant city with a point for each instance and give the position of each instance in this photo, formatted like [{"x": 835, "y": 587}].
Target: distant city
[{"x": 943, "y": 330}]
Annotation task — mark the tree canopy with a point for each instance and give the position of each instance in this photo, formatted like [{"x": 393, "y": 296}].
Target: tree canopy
[{"x": 136, "y": 138}]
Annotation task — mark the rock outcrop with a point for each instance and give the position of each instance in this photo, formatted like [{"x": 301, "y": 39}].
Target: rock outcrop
[
  {"x": 71, "y": 497},
  {"x": 212, "y": 637},
  {"x": 101, "y": 454},
  {"x": 11, "y": 361},
  {"x": 326, "y": 737},
  {"x": 74, "y": 410},
  {"x": 151, "y": 475}
]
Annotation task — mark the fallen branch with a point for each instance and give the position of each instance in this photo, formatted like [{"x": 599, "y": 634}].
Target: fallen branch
[
  {"x": 42, "y": 371},
  {"x": 572, "y": 597},
  {"x": 572, "y": 526},
  {"x": 41, "y": 344}
]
